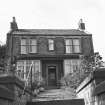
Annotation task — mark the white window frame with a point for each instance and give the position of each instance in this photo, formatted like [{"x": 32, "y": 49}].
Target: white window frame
[
  {"x": 70, "y": 65},
  {"x": 23, "y": 46},
  {"x": 32, "y": 46},
  {"x": 26, "y": 64},
  {"x": 76, "y": 46},
  {"x": 72, "y": 46},
  {"x": 69, "y": 46},
  {"x": 51, "y": 44}
]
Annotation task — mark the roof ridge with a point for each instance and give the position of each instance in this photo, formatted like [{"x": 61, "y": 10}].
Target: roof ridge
[{"x": 51, "y": 31}]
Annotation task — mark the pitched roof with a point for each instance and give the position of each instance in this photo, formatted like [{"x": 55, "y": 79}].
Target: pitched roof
[{"x": 50, "y": 32}]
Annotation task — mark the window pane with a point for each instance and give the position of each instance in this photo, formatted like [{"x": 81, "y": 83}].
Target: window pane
[
  {"x": 33, "y": 49},
  {"x": 67, "y": 67},
  {"x": 33, "y": 46},
  {"x": 23, "y": 46},
  {"x": 20, "y": 69},
  {"x": 23, "y": 49},
  {"x": 68, "y": 41},
  {"x": 23, "y": 68},
  {"x": 71, "y": 66},
  {"x": 51, "y": 44},
  {"x": 76, "y": 42},
  {"x": 68, "y": 49},
  {"x": 23, "y": 41},
  {"x": 68, "y": 45},
  {"x": 32, "y": 41},
  {"x": 51, "y": 41},
  {"x": 76, "y": 45},
  {"x": 76, "y": 49},
  {"x": 36, "y": 69}
]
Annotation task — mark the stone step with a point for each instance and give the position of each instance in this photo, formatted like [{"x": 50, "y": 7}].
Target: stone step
[
  {"x": 55, "y": 94},
  {"x": 58, "y": 102}
]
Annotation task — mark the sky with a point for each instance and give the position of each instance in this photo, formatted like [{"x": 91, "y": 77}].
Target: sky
[{"x": 55, "y": 14}]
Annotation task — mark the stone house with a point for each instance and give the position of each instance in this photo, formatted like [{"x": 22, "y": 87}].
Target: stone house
[{"x": 53, "y": 52}]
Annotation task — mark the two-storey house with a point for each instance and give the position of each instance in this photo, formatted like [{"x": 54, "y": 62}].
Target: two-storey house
[{"x": 53, "y": 52}]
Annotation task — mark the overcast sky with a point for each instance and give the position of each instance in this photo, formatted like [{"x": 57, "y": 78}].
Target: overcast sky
[{"x": 54, "y": 14}]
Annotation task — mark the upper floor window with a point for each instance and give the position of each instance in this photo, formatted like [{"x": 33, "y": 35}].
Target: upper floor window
[
  {"x": 28, "y": 46},
  {"x": 51, "y": 44},
  {"x": 72, "y": 46},
  {"x": 32, "y": 46},
  {"x": 76, "y": 45},
  {"x": 24, "y": 46},
  {"x": 69, "y": 46}
]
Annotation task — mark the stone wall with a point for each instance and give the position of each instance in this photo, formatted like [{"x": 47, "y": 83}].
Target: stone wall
[
  {"x": 5, "y": 102},
  {"x": 12, "y": 94},
  {"x": 91, "y": 90}
]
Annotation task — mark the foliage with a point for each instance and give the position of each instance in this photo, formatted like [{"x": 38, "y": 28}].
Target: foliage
[
  {"x": 37, "y": 82},
  {"x": 2, "y": 56},
  {"x": 70, "y": 80},
  {"x": 86, "y": 67},
  {"x": 98, "y": 60},
  {"x": 2, "y": 51}
]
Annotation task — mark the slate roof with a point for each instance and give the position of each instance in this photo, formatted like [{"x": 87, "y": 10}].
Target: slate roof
[{"x": 50, "y": 32}]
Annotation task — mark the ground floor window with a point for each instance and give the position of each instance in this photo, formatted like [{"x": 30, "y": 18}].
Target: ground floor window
[
  {"x": 71, "y": 66},
  {"x": 23, "y": 67}
]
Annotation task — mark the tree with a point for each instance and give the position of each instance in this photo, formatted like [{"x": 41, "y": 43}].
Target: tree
[
  {"x": 98, "y": 60},
  {"x": 88, "y": 65},
  {"x": 2, "y": 56}
]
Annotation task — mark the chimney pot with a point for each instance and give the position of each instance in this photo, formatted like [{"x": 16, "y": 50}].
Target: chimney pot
[
  {"x": 81, "y": 25},
  {"x": 14, "y": 25}
]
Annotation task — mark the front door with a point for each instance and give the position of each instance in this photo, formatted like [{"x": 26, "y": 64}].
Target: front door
[{"x": 52, "y": 76}]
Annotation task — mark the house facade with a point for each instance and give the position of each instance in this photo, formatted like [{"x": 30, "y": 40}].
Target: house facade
[{"x": 53, "y": 53}]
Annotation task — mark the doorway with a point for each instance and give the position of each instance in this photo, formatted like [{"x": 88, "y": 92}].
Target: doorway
[{"x": 52, "y": 76}]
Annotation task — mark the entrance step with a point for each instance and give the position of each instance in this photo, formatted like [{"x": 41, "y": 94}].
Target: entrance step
[
  {"x": 59, "y": 102},
  {"x": 56, "y": 94}
]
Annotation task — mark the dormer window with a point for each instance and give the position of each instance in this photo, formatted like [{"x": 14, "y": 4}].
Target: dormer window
[{"x": 51, "y": 44}]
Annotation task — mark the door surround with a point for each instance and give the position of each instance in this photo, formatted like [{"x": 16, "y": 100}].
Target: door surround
[{"x": 47, "y": 68}]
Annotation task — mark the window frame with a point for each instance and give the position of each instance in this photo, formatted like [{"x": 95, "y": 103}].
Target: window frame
[
  {"x": 69, "y": 45},
  {"x": 28, "y": 46},
  {"x": 70, "y": 65},
  {"x": 79, "y": 45},
  {"x": 25, "y": 65},
  {"x": 51, "y": 44},
  {"x": 72, "y": 46},
  {"x": 23, "y": 45}
]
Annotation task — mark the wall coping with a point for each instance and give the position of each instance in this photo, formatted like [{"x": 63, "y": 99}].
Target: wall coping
[{"x": 96, "y": 74}]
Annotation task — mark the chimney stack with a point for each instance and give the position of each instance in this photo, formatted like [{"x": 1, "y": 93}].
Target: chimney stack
[
  {"x": 81, "y": 25},
  {"x": 14, "y": 25}
]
